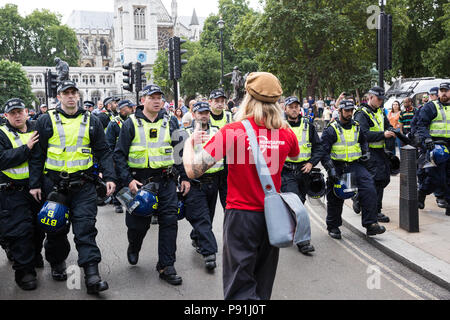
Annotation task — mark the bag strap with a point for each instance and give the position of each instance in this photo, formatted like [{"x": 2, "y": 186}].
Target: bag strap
[{"x": 260, "y": 163}]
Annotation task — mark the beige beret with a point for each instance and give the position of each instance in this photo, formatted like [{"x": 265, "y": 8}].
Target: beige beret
[{"x": 264, "y": 86}]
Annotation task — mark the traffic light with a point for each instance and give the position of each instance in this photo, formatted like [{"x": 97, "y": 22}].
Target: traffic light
[
  {"x": 128, "y": 79},
  {"x": 52, "y": 84},
  {"x": 170, "y": 54},
  {"x": 177, "y": 53},
  {"x": 140, "y": 76}
]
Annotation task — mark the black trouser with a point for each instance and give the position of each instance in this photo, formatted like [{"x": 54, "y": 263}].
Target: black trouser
[
  {"x": 436, "y": 179},
  {"x": 18, "y": 229},
  {"x": 168, "y": 225},
  {"x": 293, "y": 181},
  {"x": 249, "y": 261},
  {"x": 200, "y": 206},
  {"x": 82, "y": 202},
  {"x": 367, "y": 196},
  {"x": 378, "y": 167}
]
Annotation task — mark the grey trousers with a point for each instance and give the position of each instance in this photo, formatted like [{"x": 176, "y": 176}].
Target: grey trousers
[{"x": 249, "y": 261}]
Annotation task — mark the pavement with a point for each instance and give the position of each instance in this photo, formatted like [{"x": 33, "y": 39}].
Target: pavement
[{"x": 427, "y": 252}]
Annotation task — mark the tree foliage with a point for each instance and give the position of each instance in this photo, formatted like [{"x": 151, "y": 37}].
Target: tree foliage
[
  {"x": 14, "y": 83},
  {"x": 35, "y": 40}
]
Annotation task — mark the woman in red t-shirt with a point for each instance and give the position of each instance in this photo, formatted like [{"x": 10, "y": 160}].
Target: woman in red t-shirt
[{"x": 249, "y": 261}]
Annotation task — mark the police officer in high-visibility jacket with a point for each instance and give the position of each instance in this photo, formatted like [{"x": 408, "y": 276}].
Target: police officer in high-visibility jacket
[
  {"x": 200, "y": 203},
  {"x": 346, "y": 151},
  {"x": 375, "y": 126},
  {"x": 219, "y": 118},
  {"x": 69, "y": 139},
  {"x": 433, "y": 125},
  {"x": 145, "y": 153},
  {"x": 18, "y": 209},
  {"x": 110, "y": 112},
  {"x": 125, "y": 108},
  {"x": 295, "y": 172}
]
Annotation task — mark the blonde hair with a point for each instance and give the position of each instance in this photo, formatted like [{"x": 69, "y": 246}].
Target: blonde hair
[{"x": 268, "y": 114}]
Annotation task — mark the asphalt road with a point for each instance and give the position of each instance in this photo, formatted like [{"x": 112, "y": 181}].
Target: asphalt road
[{"x": 347, "y": 269}]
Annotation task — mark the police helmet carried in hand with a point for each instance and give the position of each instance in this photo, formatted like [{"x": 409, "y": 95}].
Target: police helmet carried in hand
[
  {"x": 316, "y": 187},
  {"x": 54, "y": 215},
  {"x": 439, "y": 154},
  {"x": 344, "y": 188},
  {"x": 143, "y": 204},
  {"x": 394, "y": 163}
]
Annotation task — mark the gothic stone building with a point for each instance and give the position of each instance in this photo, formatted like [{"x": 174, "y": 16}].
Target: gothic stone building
[{"x": 134, "y": 32}]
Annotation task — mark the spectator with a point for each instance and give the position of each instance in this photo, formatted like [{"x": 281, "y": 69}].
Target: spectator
[
  {"x": 305, "y": 107},
  {"x": 393, "y": 117},
  {"x": 311, "y": 115},
  {"x": 320, "y": 107},
  {"x": 179, "y": 115},
  {"x": 99, "y": 108},
  {"x": 231, "y": 105},
  {"x": 406, "y": 116},
  {"x": 189, "y": 116},
  {"x": 327, "y": 115},
  {"x": 327, "y": 101},
  {"x": 311, "y": 102}
]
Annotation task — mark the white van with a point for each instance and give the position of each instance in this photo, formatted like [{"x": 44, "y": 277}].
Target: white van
[{"x": 414, "y": 88}]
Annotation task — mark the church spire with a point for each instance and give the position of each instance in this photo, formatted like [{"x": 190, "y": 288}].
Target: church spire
[{"x": 194, "y": 19}]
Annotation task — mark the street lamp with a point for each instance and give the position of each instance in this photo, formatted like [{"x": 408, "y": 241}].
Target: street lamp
[{"x": 221, "y": 25}]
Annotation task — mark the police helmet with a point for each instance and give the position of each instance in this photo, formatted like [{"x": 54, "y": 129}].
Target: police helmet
[
  {"x": 145, "y": 204},
  {"x": 316, "y": 184},
  {"x": 344, "y": 188},
  {"x": 439, "y": 154},
  {"x": 54, "y": 215}
]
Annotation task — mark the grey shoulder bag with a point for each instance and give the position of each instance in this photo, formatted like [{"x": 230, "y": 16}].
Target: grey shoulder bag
[{"x": 286, "y": 218}]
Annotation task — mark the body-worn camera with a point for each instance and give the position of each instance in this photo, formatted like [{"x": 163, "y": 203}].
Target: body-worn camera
[{"x": 153, "y": 133}]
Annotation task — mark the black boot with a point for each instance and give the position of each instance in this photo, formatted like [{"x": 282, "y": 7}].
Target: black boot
[
  {"x": 375, "y": 229},
  {"x": 118, "y": 208},
  {"x": 26, "y": 280},
  {"x": 441, "y": 202},
  {"x": 335, "y": 233},
  {"x": 94, "y": 283},
  {"x": 59, "y": 271},
  {"x": 210, "y": 261},
  {"x": 169, "y": 274},
  {"x": 382, "y": 218},
  {"x": 421, "y": 200},
  {"x": 132, "y": 255}
]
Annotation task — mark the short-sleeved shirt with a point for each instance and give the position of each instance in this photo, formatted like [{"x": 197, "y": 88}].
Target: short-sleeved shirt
[
  {"x": 406, "y": 118},
  {"x": 244, "y": 187}
]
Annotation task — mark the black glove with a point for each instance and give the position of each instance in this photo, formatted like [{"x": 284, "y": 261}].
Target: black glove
[{"x": 429, "y": 144}]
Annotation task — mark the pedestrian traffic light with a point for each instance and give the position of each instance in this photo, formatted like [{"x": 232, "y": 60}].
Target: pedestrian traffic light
[
  {"x": 140, "y": 76},
  {"x": 177, "y": 53},
  {"x": 52, "y": 84},
  {"x": 170, "y": 59},
  {"x": 128, "y": 79}
]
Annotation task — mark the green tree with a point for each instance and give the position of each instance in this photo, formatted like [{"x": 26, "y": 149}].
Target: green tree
[
  {"x": 37, "y": 38},
  {"x": 14, "y": 83}
]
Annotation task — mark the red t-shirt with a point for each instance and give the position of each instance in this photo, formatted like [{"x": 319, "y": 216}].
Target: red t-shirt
[{"x": 244, "y": 187}]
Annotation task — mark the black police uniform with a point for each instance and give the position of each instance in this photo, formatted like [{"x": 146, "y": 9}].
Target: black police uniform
[
  {"x": 21, "y": 236},
  {"x": 433, "y": 179},
  {"x": 105, "y": 117},
  {"x": 378, "y": 165},
  {"x": 292, "y": 178},
  {"x": 200, "y": 206},
  {"x": 167, "y": 195},
  {"x": 82, "y": 198},
  {"x": 363, "y": 179}
]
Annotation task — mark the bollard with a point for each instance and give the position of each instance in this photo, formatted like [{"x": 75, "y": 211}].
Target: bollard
[{"x": 409, "y": 212}]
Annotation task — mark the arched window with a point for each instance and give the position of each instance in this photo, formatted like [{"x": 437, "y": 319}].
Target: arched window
[
  {"x": 139, "y": 24},
  {"x": 109, "y": 79},
  {"x": 85, "y": 79},
  {"x": 75, "y": 79},
  {"x": 92, "y": 80},
  {"x": 96, "y": 96},
  {"x": 38, "y": 80},
  {"x": 31, "y": 79},
  {"x": 102, "y": 80},
  {"x": 41, "y": 97}
]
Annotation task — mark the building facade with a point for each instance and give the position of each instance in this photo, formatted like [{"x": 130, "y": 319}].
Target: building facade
[{"x": 134, "y": 32}]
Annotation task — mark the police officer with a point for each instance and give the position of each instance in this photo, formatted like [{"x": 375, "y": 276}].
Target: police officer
[
  {"x": 375, "y": 126},
  {"x": 432, "y": 125},
  {"x": 18, "y": 230},
  {"x": 219, "y": 118},
  {"x": 69, "y": 138},
  {"x": 200, "y": 203},
  {"x": 89, "y": 106},
  {"x": 346, "y": 150},
  {"x": 110, "y": 112},
  {"x": 296, "y": 172},
  {"x": 112, "y": 135},
  {"x": 145, "y": 153}
]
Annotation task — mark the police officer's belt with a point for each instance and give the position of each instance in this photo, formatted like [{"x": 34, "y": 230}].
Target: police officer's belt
[
  {"x": 207, "y": 179},
  {"x": 291, "y": 166},
  {"x": 10, "y": 186},
  {"x": 159, "y": 175}
]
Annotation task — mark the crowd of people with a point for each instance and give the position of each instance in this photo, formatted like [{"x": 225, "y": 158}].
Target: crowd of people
[{"x": 55, "y": 163}]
